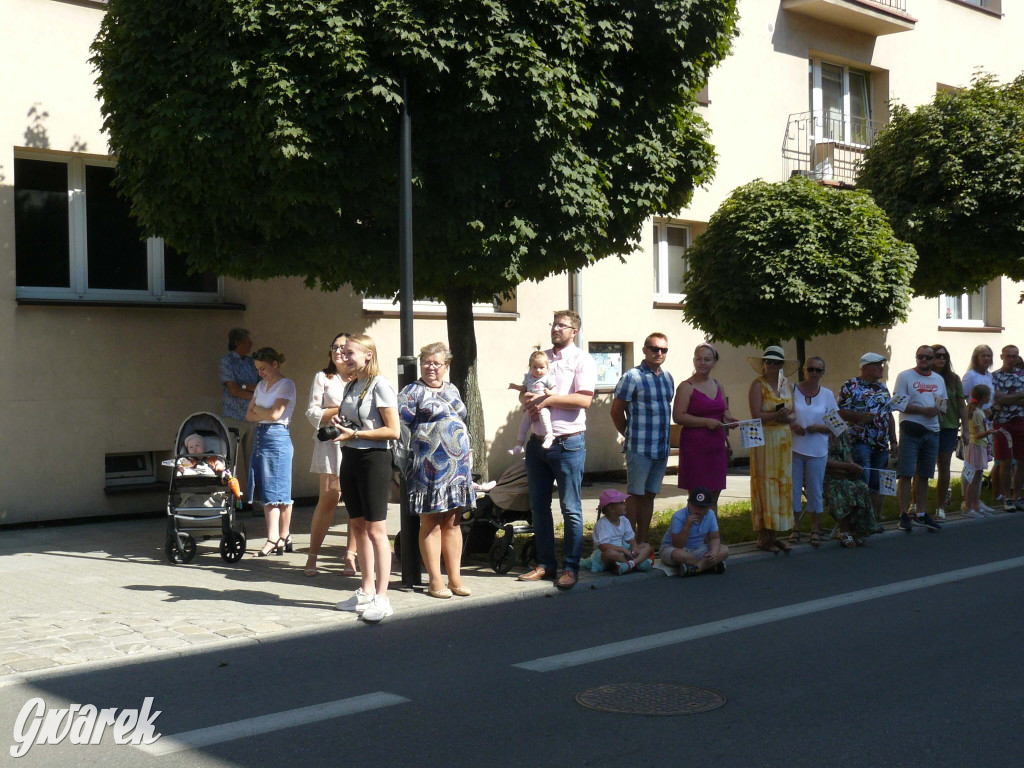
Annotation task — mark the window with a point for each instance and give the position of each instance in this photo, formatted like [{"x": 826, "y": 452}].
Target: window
[
  {"x": 670, "y": 244},
  {"x": 840, "y": 101},
  {"x": 74, "y": 239},
  {"x": 130, "y": 468},
  {"x": 965, "y": 310}
]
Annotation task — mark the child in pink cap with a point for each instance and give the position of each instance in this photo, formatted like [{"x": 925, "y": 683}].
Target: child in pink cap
[{"x": 613, "y": 536}]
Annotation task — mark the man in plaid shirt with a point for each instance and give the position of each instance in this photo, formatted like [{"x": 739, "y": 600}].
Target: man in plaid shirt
[{"x": 642, "y": 413}]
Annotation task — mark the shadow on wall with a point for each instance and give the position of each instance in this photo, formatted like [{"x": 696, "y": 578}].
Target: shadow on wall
[{"x": 36, "y": 135}]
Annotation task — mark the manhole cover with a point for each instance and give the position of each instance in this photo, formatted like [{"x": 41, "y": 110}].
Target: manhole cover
[{"x": 652, "y": 699}]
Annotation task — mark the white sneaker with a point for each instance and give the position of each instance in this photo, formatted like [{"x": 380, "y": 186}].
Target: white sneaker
[
  {"x": 378, "y": 610},
  {"x": 940, "y": 513},
  {"x": 973, "y": 513},
  {"x": 983, "y": 507},
  {"x": 358, "y": 603}
]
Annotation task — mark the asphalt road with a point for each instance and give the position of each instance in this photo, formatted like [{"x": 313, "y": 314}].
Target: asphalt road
[{"x": 905, "y": 653}]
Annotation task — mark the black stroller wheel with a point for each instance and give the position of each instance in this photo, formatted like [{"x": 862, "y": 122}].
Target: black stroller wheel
[
  {"x": 502, "y": 556},
  {"x": 188, "y": 549},
  {"x": 232, "y": 546}
]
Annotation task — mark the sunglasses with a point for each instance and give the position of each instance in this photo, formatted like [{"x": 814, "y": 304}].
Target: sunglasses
[
  {"x": 657, "y": 350},
  {"x": 773, "y": 362},
  {"x": 809, "y": 369},
  {"x": 926, "y": 357},
  {"x": 942, "y": 356}
]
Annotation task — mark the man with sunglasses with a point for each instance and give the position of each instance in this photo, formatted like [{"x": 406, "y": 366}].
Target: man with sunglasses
[
  {"x": 642, "y": 413},
  {"x": 1008, "y": 421},
  {"x": 919, "y": 437},
  {"x": 576, "y": 379},
  {"x": 862, "y": 401}
]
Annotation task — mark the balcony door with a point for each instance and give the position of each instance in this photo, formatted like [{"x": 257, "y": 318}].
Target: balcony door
[{"x": 840, "y": 101}]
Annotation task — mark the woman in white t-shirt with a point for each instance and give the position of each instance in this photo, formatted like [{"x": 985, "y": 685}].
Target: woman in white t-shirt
[
  {"x": 368, "y": 422},
  {"x": 811, "y": 402},
  {"x": 270, "y": 468}
]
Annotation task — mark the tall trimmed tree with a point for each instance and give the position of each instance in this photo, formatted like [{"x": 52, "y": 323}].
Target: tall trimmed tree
[
  {"x": 260, "y": 136},
  {"x": 950, "y": 176},
  {"x": 796, "y": 259}
]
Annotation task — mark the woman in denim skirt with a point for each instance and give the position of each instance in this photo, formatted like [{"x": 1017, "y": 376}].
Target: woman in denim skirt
[{"x": 270, "y": 468}]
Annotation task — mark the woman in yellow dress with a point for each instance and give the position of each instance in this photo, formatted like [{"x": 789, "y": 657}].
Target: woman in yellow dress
[{"x": 771, "y": 465}]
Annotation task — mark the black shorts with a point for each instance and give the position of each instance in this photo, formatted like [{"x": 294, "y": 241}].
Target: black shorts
[{"x": 365, "y": 477}]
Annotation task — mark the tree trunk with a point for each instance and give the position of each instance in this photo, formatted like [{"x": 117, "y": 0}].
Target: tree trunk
[
  {"x": 462, "y": 340},
  {"x": 800, "y": 355}
]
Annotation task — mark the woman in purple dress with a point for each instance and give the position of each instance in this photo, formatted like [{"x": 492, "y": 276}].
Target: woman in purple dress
[{"x": 702, "y": 410}]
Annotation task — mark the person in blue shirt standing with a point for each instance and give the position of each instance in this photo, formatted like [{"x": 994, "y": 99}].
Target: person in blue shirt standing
[
  {"x": 238, "y": 379},
  {"x": 642, "y": 413}
]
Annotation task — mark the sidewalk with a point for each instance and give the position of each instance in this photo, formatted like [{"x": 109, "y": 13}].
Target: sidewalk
[{"x": 96, "y": 593}]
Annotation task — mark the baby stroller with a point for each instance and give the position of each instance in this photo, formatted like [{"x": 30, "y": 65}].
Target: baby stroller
[
  {"x": 200, "y": 502},
  {"x": 500, "y": 510}
]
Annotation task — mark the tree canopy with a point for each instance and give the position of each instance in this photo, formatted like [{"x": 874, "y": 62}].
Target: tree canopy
[
  {"x": 259, "y": 136},
  {"x": 950, "y": 176},
  {"x": 796, "y": 259}
]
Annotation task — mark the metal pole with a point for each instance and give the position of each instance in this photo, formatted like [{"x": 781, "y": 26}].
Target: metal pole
[{"x": 409, "y": 534}]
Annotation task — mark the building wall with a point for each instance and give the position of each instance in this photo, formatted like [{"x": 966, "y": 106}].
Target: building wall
[{"x": 79, "y": 382}]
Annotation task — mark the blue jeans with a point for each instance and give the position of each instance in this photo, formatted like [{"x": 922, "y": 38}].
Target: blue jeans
[
  {"x": 868, "y": 457},
  {"x": 809, "y": 475},
  {"x": 562, "y": 463}
]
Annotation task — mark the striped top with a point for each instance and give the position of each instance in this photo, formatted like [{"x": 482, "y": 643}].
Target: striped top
[{"x": 649, "y": 414}]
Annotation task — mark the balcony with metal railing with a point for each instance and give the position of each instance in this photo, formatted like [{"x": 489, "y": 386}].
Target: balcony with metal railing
[
  {"x": 872, "y": 17},
  {"x": 826, "y": 147}
]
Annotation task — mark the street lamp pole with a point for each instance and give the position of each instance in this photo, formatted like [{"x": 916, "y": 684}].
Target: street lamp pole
[{"x": 409, "y": 533}]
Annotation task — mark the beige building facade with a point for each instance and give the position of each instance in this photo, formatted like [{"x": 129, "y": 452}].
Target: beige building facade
[{"x": 106, "y": 344}]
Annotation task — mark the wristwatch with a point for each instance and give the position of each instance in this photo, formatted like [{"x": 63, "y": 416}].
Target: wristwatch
[{"x": 355, "y": 434}]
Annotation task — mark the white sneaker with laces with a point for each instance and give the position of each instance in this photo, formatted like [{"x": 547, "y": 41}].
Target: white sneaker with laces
[
  {"x": 973, "y": 513},
  {"x": 358, "y": 603},
  {"x": 940, "y": 513},
  {"x": 983, "y": 507},
  {"x": 378, "y": 610}
]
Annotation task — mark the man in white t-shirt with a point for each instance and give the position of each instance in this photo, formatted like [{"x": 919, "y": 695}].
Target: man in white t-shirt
[{"x": 919, "y": 437}]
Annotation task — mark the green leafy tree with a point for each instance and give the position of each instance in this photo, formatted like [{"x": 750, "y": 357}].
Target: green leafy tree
[
  {"x": 950, "y": 176},
  {"x": 796, "y": 259},
  {"x": 260, "y": 137}
]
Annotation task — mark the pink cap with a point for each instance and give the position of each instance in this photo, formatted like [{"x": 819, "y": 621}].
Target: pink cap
[{"x": 611, "y": 496}]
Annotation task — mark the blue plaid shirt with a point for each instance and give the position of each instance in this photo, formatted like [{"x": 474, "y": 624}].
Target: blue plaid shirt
[
  {"x": 649, "y": 414},
  {"x": 241, "y": 370}
]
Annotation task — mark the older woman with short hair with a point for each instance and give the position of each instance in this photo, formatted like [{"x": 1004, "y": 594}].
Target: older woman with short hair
[{"x": 439, "y": 480}]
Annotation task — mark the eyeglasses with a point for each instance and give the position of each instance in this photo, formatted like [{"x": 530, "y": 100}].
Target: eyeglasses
[
  {"x": 336, "y": 348},
  {"x": 562, "y": 327},
  {"x": 926, "y": 357},
  {"x": 657, "y": 350},
  {"x": 814, "y": 370},
  {"x": 432, "y": 364}
]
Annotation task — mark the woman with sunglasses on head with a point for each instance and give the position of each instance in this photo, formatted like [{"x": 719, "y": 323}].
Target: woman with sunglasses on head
[
  {"x": 439, "y": 478},
  {"x": 771, "y": 465},
  {"x": 702, "y": 409},
  {"x": 367, "y": 421},
  {"x": 324, "y": 398},
  {"x": 270, "y": 468},
  {"x": 811, "y": 402},
  {"x": 953, "y": 422}
]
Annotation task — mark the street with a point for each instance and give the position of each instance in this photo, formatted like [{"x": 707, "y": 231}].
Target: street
[{"x": 903, "y": 653}]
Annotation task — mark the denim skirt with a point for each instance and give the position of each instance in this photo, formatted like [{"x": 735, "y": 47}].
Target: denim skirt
[{"x": 270, "y": 468}]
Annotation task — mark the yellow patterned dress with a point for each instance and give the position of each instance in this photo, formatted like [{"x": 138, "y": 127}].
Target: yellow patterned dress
[{"x": 771, "y": 467}]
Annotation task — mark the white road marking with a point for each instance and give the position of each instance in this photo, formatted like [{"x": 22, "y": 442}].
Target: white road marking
[
  {"x": 673, "y": 637},
  {"x": 277, "y": 721}
]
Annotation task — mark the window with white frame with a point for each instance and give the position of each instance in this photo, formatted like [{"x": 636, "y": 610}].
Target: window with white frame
[
  {"x": 840, "y": 102},
  {"x": 669, "y": 246},
  {"x": 966, "y": 309},
  {"x": 74, "y": 238}
]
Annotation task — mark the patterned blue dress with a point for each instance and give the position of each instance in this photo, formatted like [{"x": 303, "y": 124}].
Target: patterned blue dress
[{"x": 439, "y": 477}]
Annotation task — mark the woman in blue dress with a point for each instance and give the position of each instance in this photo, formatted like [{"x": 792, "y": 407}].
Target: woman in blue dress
[{"x": 439, "y": 479}]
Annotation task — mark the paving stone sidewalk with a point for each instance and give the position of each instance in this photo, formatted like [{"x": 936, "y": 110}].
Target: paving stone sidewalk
[{"x": 98, "y": 593}]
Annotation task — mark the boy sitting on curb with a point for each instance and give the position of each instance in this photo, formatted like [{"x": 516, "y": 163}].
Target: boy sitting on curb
[
  {"x": 613, "y": 536},
  {"x": 692, "y": 541}
]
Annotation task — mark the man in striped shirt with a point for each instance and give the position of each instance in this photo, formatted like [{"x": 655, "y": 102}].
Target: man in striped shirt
[{"x": 642, "y": 413}]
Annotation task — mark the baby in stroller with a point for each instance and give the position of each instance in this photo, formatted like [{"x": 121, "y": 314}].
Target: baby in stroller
[{"x": 195, "y": 463}]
